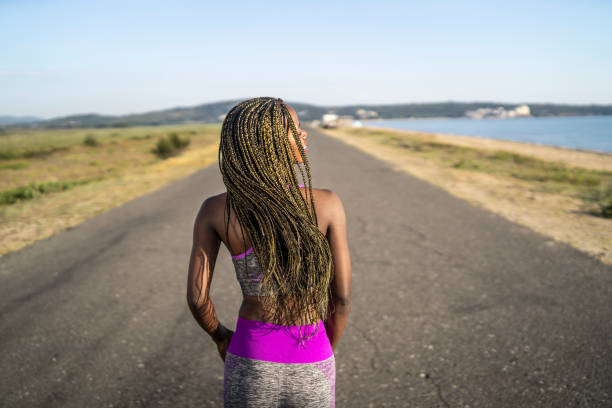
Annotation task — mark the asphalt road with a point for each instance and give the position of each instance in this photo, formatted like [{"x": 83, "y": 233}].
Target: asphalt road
[{"x": 452, "y": 306}]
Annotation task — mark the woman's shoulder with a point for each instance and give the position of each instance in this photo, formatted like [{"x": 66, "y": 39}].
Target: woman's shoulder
[
  {"x": 326, "y": 194},
  {"x": 215, "y": 200},
  {"x": 211, "y": 206},
  {"x": 327, "y": 201}
]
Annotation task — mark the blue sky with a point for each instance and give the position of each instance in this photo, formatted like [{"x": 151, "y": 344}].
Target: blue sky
[{"x": 112, "y": 57}]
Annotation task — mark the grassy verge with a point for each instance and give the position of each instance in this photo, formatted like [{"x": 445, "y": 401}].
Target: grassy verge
[
  {"x": 33, "y": 190},
  {"x": 89, "y": 171},
  {"x": 589, "y": 185},
  {"x": 544, "y": 190}
]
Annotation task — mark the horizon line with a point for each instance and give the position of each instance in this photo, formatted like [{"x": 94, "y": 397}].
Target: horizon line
[{"x": 43, "y": 118}]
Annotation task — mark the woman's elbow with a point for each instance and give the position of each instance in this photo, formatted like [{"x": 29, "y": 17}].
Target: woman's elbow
[
  {"x": 195, "y": 301},
  {"x": 342, "y": 303}
]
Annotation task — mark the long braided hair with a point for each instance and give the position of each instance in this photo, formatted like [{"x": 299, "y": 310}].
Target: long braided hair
[{"x": 258, "y": 168}]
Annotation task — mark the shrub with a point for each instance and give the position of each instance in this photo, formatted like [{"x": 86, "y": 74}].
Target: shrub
[
  {"x": 90, "y": 140},
  {"x": 163, "y": 148},
  {"x": 177, "y": 142},
  {"x": 169, "y": 146},
  {"x": 602, "y": 198}
]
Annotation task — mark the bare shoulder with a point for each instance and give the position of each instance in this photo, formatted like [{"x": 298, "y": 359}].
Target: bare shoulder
[
  {"x": 211, "y": 207},
  {"x": 328, "y": 201}
]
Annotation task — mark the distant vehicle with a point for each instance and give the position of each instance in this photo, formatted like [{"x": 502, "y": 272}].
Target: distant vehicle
[{"x": 329, "y": 120}]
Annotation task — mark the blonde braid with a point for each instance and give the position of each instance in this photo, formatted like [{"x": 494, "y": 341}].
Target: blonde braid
[{"x": 257, "y": 165}]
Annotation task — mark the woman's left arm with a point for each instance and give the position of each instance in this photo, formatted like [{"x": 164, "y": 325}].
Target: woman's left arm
[{"x": 204, "y": 252}]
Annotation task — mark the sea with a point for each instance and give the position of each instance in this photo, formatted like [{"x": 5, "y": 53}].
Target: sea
[{"x": 592, "y": 133}]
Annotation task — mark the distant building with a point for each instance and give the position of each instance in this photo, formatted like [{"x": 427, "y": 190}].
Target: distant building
[
  {"x": 523, "y": 110},
  {"x": 365, "y": 114},
  {"x": 499, "y": 112}
]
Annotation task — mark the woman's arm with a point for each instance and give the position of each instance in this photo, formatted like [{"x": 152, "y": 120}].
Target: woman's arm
[
  {"x": 339, "y": 303},
  {"x": 204, "y": 252}
]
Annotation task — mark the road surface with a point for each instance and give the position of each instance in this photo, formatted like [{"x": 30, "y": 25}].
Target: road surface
[{"x": 452, "y": 305}]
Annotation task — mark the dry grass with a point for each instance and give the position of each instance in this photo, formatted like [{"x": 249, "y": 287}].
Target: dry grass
[
  {"x": 124, "y": 162},
  {"x": 551, "y": 209}
]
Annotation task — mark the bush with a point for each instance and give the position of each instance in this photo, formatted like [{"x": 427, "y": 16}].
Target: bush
[
  {"x": 170, "y": 146},
  {"x": 164, "y": 148},
  {"x": 177, "y": 142},
  {"x": 90, "y": 140},
  {"x": 602, "y": 198}
]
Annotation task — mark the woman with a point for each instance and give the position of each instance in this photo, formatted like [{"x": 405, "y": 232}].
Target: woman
[{"x": 289, "y": 248}]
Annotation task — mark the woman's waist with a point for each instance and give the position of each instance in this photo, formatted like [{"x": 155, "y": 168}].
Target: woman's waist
[
  {"x": 280, "y": 343},
  {"x": 253, "y": 308}
]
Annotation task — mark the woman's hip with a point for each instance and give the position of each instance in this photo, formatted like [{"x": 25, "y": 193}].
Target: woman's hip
[
  {"x": 280, "y": 344},
  {"x": 258, "y": 383}
]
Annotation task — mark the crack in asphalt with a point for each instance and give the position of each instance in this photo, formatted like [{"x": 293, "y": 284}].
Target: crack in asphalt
[{"x": 439, "y": 392}]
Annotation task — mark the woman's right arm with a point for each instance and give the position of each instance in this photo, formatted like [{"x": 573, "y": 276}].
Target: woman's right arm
[
  {"x": 204, "y": 252},
  {"x": 339, "y": 303}
]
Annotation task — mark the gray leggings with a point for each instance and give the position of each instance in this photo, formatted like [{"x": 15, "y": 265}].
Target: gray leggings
[{"x": 258, "y": 383}]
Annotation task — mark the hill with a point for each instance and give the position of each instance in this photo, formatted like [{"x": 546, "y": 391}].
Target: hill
[
  {"x": 213, "y": 112},
  {"x": 13, "y": 120}
]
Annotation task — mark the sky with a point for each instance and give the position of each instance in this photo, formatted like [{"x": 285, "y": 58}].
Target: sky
[{"x": 115, "y": 57}]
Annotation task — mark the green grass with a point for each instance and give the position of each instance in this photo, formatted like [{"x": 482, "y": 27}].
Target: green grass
[
  {"x": 21, "y": 153},
  {"x": 14, "y": 166},
  {"x": 33, "y": 190},
  {"x": 531, "y": 169}
]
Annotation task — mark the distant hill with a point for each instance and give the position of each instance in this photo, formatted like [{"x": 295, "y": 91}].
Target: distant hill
[
  {"x": 12, "y": 120},
  {"x": 213, "y": 113},
  {"x": 458, "y": 109},
  {"x": 206, "y": 113}
]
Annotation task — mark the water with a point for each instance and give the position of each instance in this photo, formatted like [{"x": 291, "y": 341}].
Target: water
[{"x": 578, "y": 132}]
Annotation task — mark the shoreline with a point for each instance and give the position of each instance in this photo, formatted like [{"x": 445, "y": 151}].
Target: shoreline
[
  {"x": 372, "y": 123},
  {"x": 589, "y": 159}
]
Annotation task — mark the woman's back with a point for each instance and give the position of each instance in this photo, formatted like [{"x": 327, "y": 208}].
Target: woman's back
[{"x": 239, "y": 246}]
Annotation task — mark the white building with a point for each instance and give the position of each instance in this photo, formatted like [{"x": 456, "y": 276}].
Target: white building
[
  {"x": 522, "y": 110},
  {"x": 499, "y": 112}
]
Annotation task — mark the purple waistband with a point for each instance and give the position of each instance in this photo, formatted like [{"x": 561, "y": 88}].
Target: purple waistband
[
  {"x": 242, "y": 255},
  {"x": 281, "y": 344}
]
